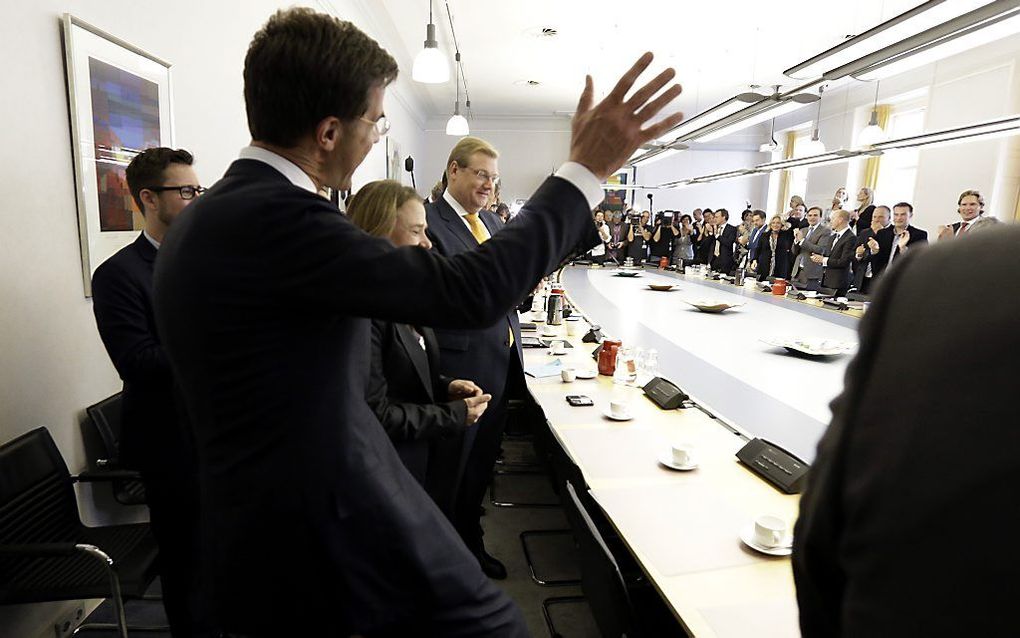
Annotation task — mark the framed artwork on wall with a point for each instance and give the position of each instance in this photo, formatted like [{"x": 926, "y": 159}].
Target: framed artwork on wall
[
  {"x": 394, "y": 163},
  {"x": 616, "y": 199},
  {"x": 120, "y": 102}
]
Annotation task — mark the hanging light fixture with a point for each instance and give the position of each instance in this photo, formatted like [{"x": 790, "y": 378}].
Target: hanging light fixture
[
  {"x": 814, "y": 146},
  {"x": 772, "y": 146},
  {"x": 872, "y": 133},
  {"x": 430, "y": 65},
  {"x": 458, "y": 124}
]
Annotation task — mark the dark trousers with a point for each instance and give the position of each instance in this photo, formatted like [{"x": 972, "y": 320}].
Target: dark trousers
[
  {"x": 479, "y": 458},
  {"x": 173, "y": 515}
]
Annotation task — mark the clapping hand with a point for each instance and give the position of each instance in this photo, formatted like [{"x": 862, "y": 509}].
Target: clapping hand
[
  {"x": 859, "y": 252},
  {"x": 872, "y": 245},
  {"x": 815, "y": 257},
  {"x": 945, "y": 232},
  {"x": 462, "y": 389},
  {"x": 903, "y": 240}
]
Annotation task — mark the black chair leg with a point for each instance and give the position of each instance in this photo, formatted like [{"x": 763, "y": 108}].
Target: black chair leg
[
  {"x": 494, "y": 499},
  {"x": 525, "y": 535}
]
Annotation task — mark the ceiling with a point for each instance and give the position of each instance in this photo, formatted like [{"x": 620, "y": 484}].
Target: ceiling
[{"x": 718, "y": 48}]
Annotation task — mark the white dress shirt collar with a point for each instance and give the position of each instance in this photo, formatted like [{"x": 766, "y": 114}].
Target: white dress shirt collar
[
  {"x": 284, "y": 166},
  {"x": 452, "y": 201}
]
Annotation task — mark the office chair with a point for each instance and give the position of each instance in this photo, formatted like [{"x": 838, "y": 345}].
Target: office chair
[
  {"x": 105, "y": 417},
  {"x": 47, "y": 554}
]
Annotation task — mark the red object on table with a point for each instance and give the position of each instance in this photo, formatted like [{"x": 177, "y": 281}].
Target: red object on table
[
  {"x": 663, "y": 262},
  {"x": 779, "y": 287},
  {"x": 607, "y": 357}
]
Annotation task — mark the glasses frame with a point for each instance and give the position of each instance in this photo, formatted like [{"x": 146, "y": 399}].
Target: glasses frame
[
  {"x": 195, "y": 190},
  {"x": 382, "y": 125},
  {"x": 479, "y": 172}
]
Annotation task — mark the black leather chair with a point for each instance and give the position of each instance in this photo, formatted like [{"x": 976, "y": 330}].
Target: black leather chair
[
  {"x": 47, "y": 553},
  {"x": 105, "y": 417}
]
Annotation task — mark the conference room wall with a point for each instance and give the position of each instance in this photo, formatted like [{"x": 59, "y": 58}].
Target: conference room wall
[
  {"x": 52, "y": 363},
  {"x": 732, "y": 194}
]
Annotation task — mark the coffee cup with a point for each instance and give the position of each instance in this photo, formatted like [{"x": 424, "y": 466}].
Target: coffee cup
[
  {"x": 683, "y": 454},
  {"x": 769, "y": 531},
  {"x": 619, "y": 409},
  {"x": 568, "y": 375},
  {"x": 572, "y": 328},
  {"x": 559, "y": 347}
]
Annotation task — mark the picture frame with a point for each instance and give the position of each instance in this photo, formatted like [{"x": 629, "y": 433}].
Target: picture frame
[{"x": 120, "y": 101}]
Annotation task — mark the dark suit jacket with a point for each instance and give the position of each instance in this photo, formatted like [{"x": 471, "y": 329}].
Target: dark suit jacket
[
  {"x": 724, "y": 262},
  {"x": 263, "y": 294},
  {"x": 864, "y": 218},
  {"x": 753, "y": 239},
  {"x": 860, "y": 266},
  {"x": 784, "y": 255},
  {"x": 884, "y": 237},
  {"x": 908, "y": 524},
  {"x": 408, "y": 395},
  {"x": 837, "y": 269},
  {"x": 151, "y": 440}
]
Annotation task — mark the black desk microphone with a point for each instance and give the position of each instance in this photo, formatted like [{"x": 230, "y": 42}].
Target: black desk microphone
[{"x": 409, "y": 167}]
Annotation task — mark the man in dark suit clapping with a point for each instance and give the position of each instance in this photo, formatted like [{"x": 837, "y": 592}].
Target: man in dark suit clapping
[
  {"x": 862, "y": 272},
  {"x": 889, "y": 244},
  {"x": 836, "y": 261},
  {"x": 264, "y": 295}
]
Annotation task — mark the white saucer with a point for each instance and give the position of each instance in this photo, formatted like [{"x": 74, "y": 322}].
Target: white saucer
[
  {"x": 609, "y": 415},
  {"x": 557, "y": 354},
  {"x": 550, "y": 335},
  {"x": 587, "y": 374},
  {"x": 667, "y": 460},
  {"x": 747, "y": 537}
]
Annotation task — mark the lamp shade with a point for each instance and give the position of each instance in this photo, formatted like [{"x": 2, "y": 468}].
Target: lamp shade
[
  {"x": 811, "y": 147},
  {"x": 430, "y": 67},
  {"x": 870, "y": 135},
  {"x": 457, "y": 125}
]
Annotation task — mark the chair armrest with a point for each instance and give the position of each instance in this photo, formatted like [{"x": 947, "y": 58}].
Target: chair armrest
[
  {"x": 38, "y": 549},
  {"x": 94, "y": 476}
]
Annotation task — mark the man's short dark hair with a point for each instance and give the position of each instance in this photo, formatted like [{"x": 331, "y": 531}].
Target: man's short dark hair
[
  {"x": 759, "y": 213},
  {"x": 818, "y": 208},
  {"x": 722, "y": 211},
  {"x": 146, "y": 169},
  {"x": 304, "y": 66},
  {"x": 909, "y": 208}
]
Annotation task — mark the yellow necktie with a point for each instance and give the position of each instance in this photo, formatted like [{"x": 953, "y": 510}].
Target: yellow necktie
[
  {"x": 477, "y": 228},
  {"x": 481, "y": 236}
]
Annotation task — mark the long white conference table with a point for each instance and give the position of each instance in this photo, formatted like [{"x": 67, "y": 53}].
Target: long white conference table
[{"x": 684, "y": 527}]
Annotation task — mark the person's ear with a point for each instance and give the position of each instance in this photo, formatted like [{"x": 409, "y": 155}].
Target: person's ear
[
  {"x": 329, "y": 133},
  {"x": 149, "y": 200}
]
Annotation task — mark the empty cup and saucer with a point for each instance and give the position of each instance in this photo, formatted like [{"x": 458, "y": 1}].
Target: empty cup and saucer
[
  {"x": 680, "y": 457},
  {"x": 618, "y": 411},
  {"x": 770, "y": 535},
  {"x": 587, "y": 373},
  {"x": 558, "y": 348}
]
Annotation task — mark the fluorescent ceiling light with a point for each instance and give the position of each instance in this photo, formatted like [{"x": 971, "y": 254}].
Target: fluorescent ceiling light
[
  {"x": 988, "y": 31},
  {"x": 781, "y": 108},
  {"x": 721, "y": 176},
  {"x": 920, "y": 18},
  {"x": 654, "y": 155},
  {"x": 718, "y": 112},
  {"x": 994, "y": 128},
  {"x": 812, "y": 160}
]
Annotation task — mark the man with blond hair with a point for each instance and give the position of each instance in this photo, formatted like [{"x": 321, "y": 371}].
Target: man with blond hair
[
  {"x": 971, "y": 207},
  {"x": 458, "y": 222}
]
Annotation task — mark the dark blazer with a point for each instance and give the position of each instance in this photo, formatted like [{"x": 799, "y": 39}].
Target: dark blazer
[
  {"x": 151, "y": 440},
  {"x": 724, "y": 262},
  {"x": 753, "y": 239},
  {"x": 908, "y": 523},
  {"x": 885, "y": 237},
  {"x": 860, "y": 266},
  {"x": 263, "y": 294},
  {"x": 784, "y": 255},
  {"x": 839, "y": 257},
  {"x": 408, "y": 395},
  {"x": 864, "y": 218}
]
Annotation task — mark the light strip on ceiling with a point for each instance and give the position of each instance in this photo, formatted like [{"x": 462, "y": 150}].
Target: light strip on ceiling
[
  {"x": 994, "y": 128},
  {"x": 781, "y": 108},
  {"x": 715, "y": 114},
  {"x": 921, "y": 18},
  {"x": 653, "y": 155},
  {"x": 726, "y": 175},
  {"x": 986, "y": 14},
  {"x": 996, "y": 28}
]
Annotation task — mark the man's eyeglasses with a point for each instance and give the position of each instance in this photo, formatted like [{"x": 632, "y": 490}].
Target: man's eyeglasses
[
  {"x": 186, "y": 192},
  {"x": 382, "y": 125},
  {"x": 485, "y": 176}
]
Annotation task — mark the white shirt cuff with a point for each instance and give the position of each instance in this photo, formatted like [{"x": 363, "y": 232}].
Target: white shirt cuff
[
  {"x": 825, "y": 261},
  {"x": 584, "y": 180}
]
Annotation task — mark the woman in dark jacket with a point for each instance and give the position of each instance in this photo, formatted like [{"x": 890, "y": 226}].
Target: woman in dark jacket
[
  {"x": 774, "y": 257},
  {"x": 415, "y": 404}
]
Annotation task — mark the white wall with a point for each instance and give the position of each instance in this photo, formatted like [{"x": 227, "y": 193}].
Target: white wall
[
  {"x": 52, "y": 363},
  {"x": 529, "y": 151}
]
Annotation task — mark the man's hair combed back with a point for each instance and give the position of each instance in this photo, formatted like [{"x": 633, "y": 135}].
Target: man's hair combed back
[
  {"x": 972, "y": 193},
  {"x": 304, "y": 66},
  {"x": 374, "y": 207},
  {"x": 146, "y": 169},
  {"x": 907, "y": 205},
  {"x": 466, "y": 148},
  {"x": 758, "y": 213}
]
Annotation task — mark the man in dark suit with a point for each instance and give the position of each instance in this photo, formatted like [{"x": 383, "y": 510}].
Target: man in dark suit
[
  {"x": 892, "y": 243},
  {"x": 862, "y": 274},
  {"x": 490, "y": 357},
  {"x": 908, "y": 524},
  {"x": 311, "y": 523},
  {"x": 837, "y": 257},
  {"x": 162, "y": 182},
  {"x": 757, "y": 230},
  {"x": 726, "y": 236}
]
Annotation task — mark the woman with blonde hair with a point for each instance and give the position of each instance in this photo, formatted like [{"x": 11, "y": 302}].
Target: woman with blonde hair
[
  {"x": 415, "y": 404},
  {"x": 861, "y": 217},
  {"x": 774, "y": 255}
]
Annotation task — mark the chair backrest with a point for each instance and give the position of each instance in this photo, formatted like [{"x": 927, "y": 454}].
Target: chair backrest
[
  {"x": 601, "y": 580},
  {"x": 37, "y": 501},
  {"x": 105, "y": 416}
]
